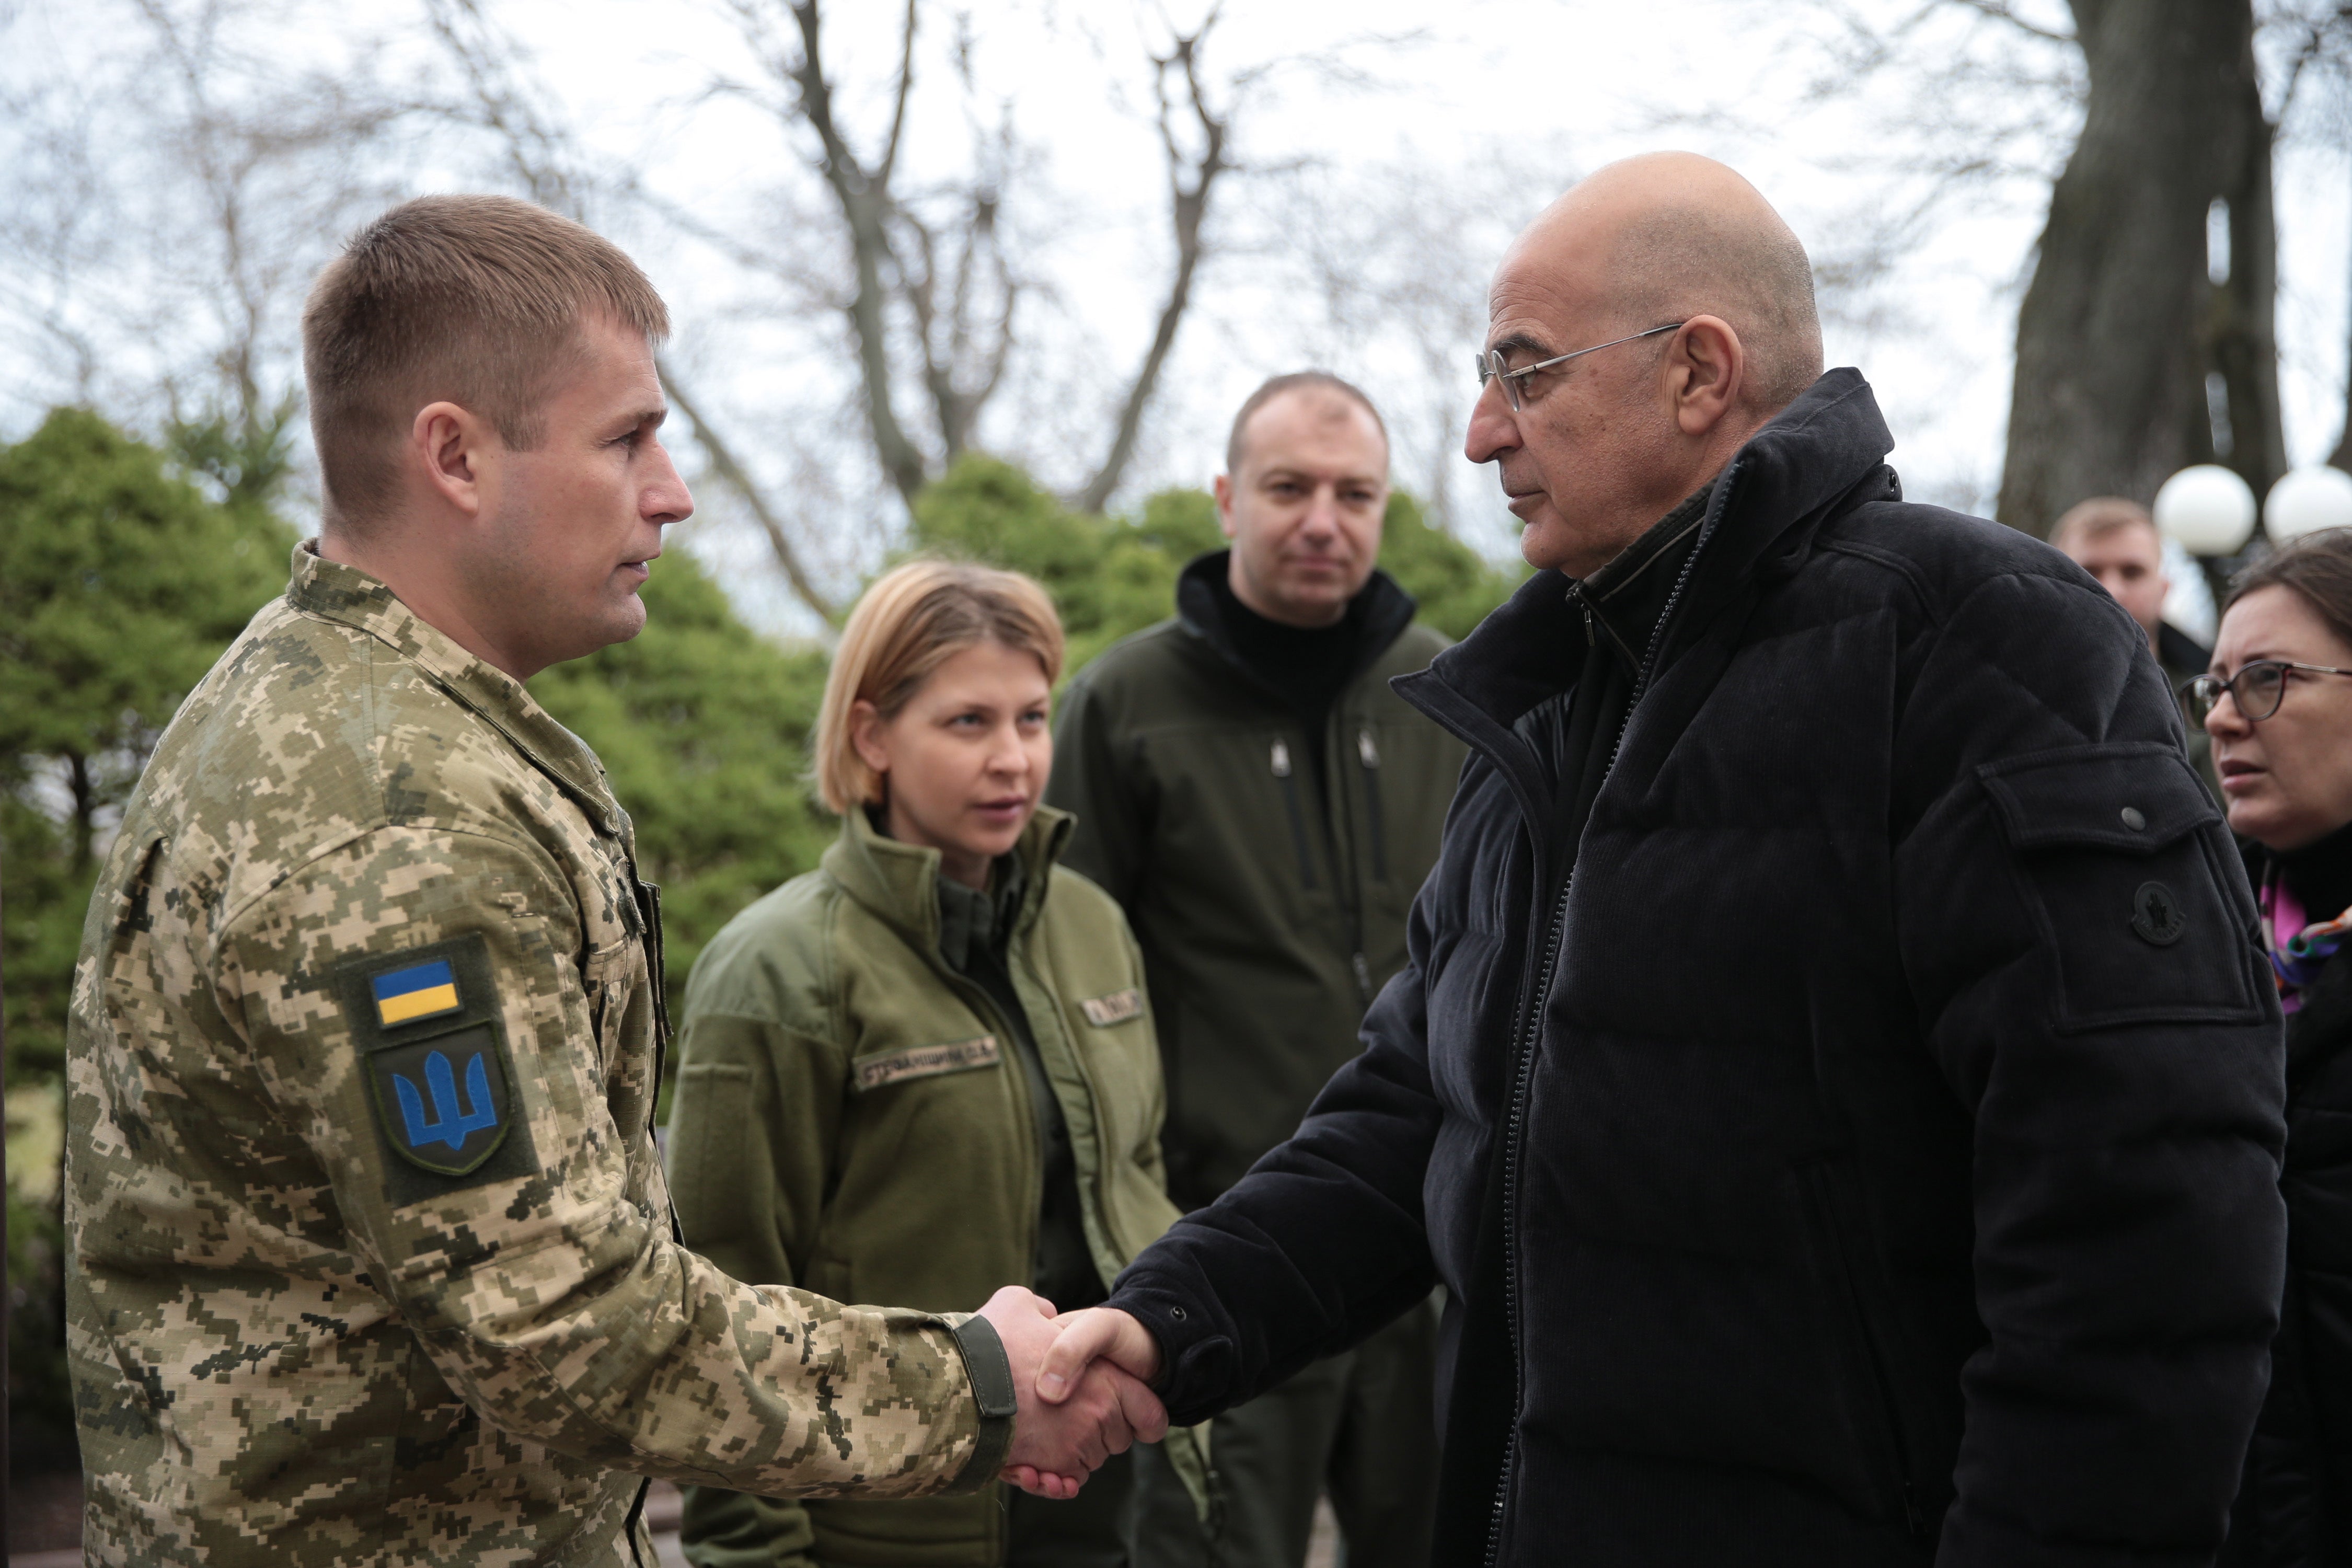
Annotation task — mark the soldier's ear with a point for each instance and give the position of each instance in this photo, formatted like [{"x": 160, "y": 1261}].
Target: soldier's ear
[{"x": 451, "y": 446}]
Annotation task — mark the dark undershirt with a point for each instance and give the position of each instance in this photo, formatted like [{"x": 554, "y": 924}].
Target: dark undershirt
[
  {"x": 975, "y": 931},
  {"x": 1307, "y": 667}
]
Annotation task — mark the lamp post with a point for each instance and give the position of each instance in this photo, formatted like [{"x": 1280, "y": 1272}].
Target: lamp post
[
  {"x": 2209, "y": 508},
  {"x": 2209, "y": 511},
  {"x": 2307, "y": 500}
]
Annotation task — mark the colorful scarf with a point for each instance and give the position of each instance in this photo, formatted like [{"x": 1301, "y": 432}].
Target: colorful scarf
[{"x": 2295, "y": 958}]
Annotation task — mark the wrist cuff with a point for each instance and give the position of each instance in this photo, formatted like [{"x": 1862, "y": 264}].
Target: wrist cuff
[{"x": 985, "y": 1362}]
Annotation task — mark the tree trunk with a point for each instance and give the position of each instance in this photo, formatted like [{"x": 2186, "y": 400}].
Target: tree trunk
[
  {"x": 85, "y": 810},
  {"x": 2240, "y": 338},
  {"x": 2342, "y": 456},
  {"x": 2121, "y": 324}
]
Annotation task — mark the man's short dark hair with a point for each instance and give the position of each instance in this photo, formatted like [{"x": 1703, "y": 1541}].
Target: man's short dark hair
[
  {"x": 2097, "y": 518},
  {"x": 475, "y": 300},
  {"x": 1296, "y": 380}
]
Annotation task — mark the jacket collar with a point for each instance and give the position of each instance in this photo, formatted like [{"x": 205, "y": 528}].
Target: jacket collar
[
  {"x": 898, "y": 883},
  {"x": 351, "y": 597},
  {"x": 1386, "y": 607},
  {"x": 1758, "y": 519},
  {"x": 1625, "y": 597}
]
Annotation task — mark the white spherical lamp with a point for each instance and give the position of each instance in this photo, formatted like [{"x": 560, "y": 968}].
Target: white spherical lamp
[
  {"x": 2208, "y": 508},
  {"x": 2307, "y": 500}
]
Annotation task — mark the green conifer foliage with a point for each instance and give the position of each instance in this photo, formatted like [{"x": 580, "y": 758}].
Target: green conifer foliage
[
  {"x": 1110, "y": 576},
  {"x": 703, "y": 726},
  {"x": 120, "y": 582}
]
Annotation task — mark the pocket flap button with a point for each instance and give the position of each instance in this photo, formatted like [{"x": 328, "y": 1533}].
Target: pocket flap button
[{"x": 2134, "y": 820}]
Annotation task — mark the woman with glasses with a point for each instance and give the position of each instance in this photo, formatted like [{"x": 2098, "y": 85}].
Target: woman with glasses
[{"x": 2278, "y": 705}]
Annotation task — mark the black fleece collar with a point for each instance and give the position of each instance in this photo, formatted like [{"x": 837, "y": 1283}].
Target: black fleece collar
[
  {"x": 1626, "y": 596},
  {"x": 1385, "y": 607},
  {"x": 1827, "y": 443}
]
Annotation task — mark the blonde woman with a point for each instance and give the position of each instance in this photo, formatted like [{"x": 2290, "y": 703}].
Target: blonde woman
[{"x": 927, "y": 1069}]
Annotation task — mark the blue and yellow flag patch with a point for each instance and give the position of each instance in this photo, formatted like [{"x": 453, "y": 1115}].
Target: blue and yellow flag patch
[
  {"x": 420, "y": 991},
  {"x": 432, "y": 1048}
]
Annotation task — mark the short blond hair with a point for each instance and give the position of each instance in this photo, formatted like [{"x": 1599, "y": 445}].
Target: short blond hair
[
  {"x": 2097, "y": 518},
  {"x": 913, "y": 619},
  {"x": 473, "y": 299}
]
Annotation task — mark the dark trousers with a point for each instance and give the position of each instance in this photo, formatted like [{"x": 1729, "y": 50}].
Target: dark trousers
[
  {"x": 1362, "y": 1427},
  {"x": 1090, "y": 1531}
]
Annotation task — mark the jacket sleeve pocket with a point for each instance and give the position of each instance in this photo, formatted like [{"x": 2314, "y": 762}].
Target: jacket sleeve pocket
[{"x": 2120, "y": 860}]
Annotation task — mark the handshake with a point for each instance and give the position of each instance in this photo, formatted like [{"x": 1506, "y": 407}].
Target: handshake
[{"x": 1082, "y": 1386}]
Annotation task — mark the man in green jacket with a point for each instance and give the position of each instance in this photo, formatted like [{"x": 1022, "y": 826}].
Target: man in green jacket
[{"x": 1265, "y": 808}]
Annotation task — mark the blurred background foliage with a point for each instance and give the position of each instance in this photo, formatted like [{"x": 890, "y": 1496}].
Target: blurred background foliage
[{"x": 126, "y": 568}]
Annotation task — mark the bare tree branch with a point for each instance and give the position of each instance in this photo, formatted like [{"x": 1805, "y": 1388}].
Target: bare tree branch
[
  {"x": 736, "y": 478},
  {"x": 2003, "y": 12},
  {"x": 537, "y": 152},
  {"x": 865, "y": 199},
  {"x": 898, "y": 104},
  {"x": 1190, "y": 177}
]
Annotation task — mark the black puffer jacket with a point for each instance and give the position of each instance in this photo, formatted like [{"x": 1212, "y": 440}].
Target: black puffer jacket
[
  {"x": 1889, "y": 1107},
  {"x": 2295, "y": 1509}
]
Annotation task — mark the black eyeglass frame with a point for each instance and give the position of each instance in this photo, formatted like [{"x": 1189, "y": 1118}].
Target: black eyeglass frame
[
  {"x": 1491, "y": 367},
  {"x": 2201, "y": 693}
]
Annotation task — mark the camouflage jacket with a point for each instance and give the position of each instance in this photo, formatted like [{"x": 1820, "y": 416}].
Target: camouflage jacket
[{"x": 373, "y": 1259}]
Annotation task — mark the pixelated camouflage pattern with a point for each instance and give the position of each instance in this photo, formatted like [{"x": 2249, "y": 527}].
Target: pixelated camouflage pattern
[{"x": 283, "y": 1350}]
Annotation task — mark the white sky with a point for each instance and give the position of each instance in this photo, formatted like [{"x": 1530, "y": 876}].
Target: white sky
[
  {"x": 1500, "y": 102},
  {"x": 1586, "y": 82}
]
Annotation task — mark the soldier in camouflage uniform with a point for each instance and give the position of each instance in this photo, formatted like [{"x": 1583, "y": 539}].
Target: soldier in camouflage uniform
[{"x": 372, "y": 1257}]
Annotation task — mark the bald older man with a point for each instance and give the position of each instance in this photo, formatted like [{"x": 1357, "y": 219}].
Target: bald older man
[{"x": 1833, "y": 1077}]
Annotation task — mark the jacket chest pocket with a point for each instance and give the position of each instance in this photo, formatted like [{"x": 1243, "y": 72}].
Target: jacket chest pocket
[
  {"x": 2120, "y": 865},
  {"x": 611, "y": 976}
]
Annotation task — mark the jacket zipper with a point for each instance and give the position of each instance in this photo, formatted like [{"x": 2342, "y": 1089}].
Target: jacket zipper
[
  {"x": 1369, "y": 755},
  {"x": 1280, "y": 758},
  {"x": 1523, "y": 1067}
]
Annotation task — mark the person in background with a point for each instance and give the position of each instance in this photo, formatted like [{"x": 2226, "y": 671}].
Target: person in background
[
  {"x": 2116, "y": 541},
  {"x": 2278, "y": 706},
  {"x": 926, "y": 1068},
  {"x": 1265, "y": 808}
]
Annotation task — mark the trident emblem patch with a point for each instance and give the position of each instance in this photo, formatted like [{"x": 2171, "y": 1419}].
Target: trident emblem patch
[
  {"x": 426, "y": 1024},
  {"x": 447, "y": 1126},
  {"x": 442, "y": 1101}
]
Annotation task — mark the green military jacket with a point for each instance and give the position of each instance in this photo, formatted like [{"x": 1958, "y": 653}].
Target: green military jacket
[
  {"x": 372, "y": 1255},
  {"x": 1269, "y": 911},
  {"x": 850, "y": 1117}
]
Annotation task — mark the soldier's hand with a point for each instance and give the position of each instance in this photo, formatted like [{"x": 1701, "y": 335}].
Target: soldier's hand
[{"x": 1057, "y": 1445}]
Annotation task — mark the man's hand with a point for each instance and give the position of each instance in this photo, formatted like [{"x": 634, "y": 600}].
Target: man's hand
[
  {"x": 1102, "y": 1333},
  {"x": 1098, "y": 1411}
]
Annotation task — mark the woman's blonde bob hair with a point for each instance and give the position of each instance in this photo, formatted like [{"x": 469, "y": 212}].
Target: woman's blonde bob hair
[{"x": 911, "y": 621}]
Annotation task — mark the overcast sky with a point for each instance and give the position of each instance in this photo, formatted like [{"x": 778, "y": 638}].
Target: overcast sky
[{"x": 1499, "y": 101}]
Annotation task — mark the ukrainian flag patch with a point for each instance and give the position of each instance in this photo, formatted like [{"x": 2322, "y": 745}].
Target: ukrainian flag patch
[{"x": 420, "y": 991}]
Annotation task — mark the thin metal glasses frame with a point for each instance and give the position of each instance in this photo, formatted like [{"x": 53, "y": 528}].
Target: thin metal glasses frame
[{"x": 1491, "y": 366}]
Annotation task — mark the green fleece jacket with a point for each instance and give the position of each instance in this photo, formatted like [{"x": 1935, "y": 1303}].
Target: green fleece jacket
[
  {"x": 1270, "y": 911},
  {"x": 851, "y": 1118}
]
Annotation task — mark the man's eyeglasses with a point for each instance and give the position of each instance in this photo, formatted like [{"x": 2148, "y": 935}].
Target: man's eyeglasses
[
  {"x": 1491, "y": 366},
  {"x": 2257, "y": 689}
]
